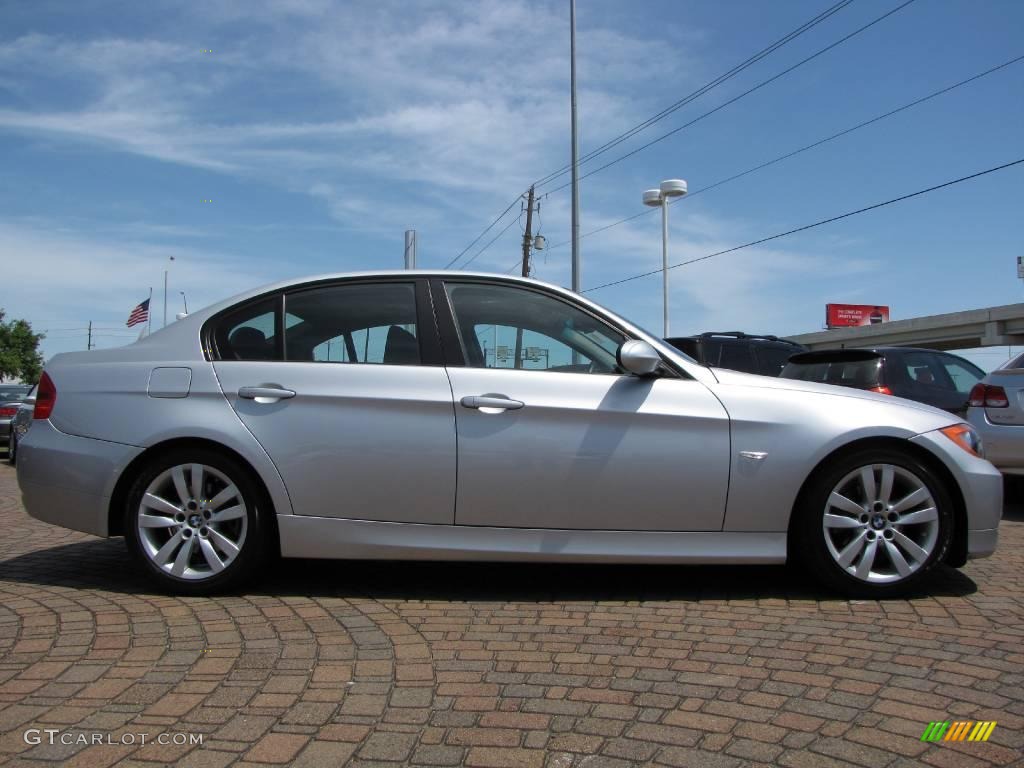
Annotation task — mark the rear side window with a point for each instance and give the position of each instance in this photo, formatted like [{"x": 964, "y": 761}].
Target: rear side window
[
  {"x": 249, "y": 332},
  {"x": 353, "y": 323},
  {"x": 771, "y": 360}
]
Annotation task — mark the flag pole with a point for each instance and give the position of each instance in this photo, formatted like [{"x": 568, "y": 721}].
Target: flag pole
[{"x": 149, "y": 312}]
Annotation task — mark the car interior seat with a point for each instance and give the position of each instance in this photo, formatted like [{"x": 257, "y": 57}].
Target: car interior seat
[
  {"x": 401, "y": 347},
  {"x": 250, "y": 344}
]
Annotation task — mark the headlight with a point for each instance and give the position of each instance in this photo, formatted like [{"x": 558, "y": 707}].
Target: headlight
[{"x": 965, "y": 436}]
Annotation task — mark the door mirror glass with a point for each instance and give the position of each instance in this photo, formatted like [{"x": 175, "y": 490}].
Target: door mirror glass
[{"x": 639, "y": 358}]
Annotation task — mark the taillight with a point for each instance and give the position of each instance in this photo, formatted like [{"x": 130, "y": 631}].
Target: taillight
[
  {"x": 988, "y": 396},
  {"x": 881, "y": 390},
  {"x": 6, "y": 413},
  {"x": 46, "y": 397}
]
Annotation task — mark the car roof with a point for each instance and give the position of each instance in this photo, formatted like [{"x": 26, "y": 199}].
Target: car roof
[{"x": 757, "y": 337}]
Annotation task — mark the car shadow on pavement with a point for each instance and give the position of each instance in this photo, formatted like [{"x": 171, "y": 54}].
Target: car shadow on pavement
[{"x": 103, "y": 564}]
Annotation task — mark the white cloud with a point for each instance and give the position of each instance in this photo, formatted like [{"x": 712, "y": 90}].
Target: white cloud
[{"x": 66, "y": 278}]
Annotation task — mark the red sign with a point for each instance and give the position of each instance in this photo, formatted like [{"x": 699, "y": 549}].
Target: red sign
[{"x": 851, "y": 315}]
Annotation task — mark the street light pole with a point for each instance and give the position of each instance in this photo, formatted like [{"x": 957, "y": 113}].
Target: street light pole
[
  {"x": 660, "y": 197},
  {"x": 575, "y": 151},
  {"x": 664, "y": 263}
]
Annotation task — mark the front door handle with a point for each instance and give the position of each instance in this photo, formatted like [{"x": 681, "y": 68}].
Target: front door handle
[
  {"x": 501, "y": 402},
  {"x": 265, "y": 394}
]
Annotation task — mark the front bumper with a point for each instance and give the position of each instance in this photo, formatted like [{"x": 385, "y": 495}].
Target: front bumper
[
  {"x": 67, "y": 480},
  {"x": 981, "y": 486}
]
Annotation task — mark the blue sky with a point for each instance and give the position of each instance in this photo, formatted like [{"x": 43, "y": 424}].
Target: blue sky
[{"x": 321, "y": 131}]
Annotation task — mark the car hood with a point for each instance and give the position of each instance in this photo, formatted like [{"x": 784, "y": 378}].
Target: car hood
[{"x": 902, "y": 412}]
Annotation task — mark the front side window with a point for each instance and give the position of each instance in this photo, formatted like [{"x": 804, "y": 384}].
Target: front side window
[
  {"x": 925, "y": 372},
  {"x": 507, "y": 327},
  {"x": 964, "y": 375},
  {"x": 353, "y": 323}
]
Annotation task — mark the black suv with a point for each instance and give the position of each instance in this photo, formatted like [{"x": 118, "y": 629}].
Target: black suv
[{"x": 750, "y": 353}]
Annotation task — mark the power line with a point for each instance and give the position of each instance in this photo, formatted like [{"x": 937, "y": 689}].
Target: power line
[
  {"x": 700, "y": 91},
  {"x": 812, "y": 145},
  {"x": 733, "y": 100},
  {"x": 486, "y": 230},
  {"x": 492, "y": 242},
  {"x": 806, "y": 227},
  {"x": 667, "y": 111}
]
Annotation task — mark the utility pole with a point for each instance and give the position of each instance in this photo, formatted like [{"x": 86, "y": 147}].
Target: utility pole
[
  {"x": 527, "y": 245},
  {"x": 88, "y": 344},
  {"x": 575, "y": 155},
  {"x": 528, "y": 234}
]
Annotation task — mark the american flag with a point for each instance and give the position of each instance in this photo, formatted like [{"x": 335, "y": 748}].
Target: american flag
[{"x": 140, "y": 314}]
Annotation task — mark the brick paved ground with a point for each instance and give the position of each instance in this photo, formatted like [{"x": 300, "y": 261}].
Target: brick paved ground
[{"x": 480, "y": 665}]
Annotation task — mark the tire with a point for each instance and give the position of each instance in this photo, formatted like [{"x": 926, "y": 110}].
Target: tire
[
  {"x": 862, "y": 539},
  {"x": 177, "y": 536},
  {"x": 12, "y": 449}
]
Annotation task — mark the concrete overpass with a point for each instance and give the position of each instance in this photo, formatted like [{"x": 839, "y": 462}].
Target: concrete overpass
[{"x": 991, "y": 327}]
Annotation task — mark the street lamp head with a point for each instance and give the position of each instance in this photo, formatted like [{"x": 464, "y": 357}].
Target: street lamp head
[
  {"x": 673, "y": 188},
  {"x": 652, "y": 197}
]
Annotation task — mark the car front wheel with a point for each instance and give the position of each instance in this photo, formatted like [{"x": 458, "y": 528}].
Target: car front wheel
[
  {"x": 195, "y": 522},
  {"x": 874, "y": 523}
]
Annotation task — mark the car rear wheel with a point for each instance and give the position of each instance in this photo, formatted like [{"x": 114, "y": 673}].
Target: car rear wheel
[
  {"x": 874, "y": 523},
  {"x": 195, "y": 522}
]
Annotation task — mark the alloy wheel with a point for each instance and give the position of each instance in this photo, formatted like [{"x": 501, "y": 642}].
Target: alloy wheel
[
  {"x": 881, "y": 523},
  {"x": 192, "y": 521}
]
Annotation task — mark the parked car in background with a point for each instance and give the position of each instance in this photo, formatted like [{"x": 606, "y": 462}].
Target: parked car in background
[
  {"x": 20, "y": 423},
  {"x": 738, "y": 351},
  {"x": 387, "y": 415},
  {"x": 11, "y": 395},
  {"x": 936, "y": 378},
  {"x": 996, "y": 409}
]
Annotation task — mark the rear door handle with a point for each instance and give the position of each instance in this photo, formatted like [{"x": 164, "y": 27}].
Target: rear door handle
[
  {"x": 265, "y": 394},
  {"x": 491, "y": 401}
]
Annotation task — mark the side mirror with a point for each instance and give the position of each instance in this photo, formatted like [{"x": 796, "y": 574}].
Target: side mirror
[{"x": 638, "y": 357}]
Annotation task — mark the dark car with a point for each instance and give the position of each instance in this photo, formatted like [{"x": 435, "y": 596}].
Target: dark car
[
  {"x": 750, "y": 353},
  {"x": 11, "y": 395},
  {"x": 925, "y": 375}
]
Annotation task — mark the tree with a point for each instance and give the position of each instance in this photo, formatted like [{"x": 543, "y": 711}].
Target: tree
[{"x": 20, "y": 357}]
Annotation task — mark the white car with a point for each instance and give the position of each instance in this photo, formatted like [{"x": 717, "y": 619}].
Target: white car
[{"x": 996, "y": 409}]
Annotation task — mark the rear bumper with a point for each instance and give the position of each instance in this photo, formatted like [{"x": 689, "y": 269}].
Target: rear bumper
[
  {"x": 67, "y": 480},
  {"x": 1004, "y": 443}
]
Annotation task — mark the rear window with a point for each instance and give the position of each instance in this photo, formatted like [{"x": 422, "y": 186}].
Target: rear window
[
  {"x": 11, "y": 394},
  {"x": 1013, "y": 363},
  {"x": 862, "y": 374}
]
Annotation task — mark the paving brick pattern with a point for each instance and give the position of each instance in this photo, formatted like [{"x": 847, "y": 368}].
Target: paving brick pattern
[{"x": 325, "y": 664}]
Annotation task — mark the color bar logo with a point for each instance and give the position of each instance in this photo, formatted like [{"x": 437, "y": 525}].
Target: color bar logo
[{"x": 959, "y": 730}]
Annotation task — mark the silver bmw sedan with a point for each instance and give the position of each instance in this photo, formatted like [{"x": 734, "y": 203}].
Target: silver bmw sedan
[{"x": 457, "y": 416}]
